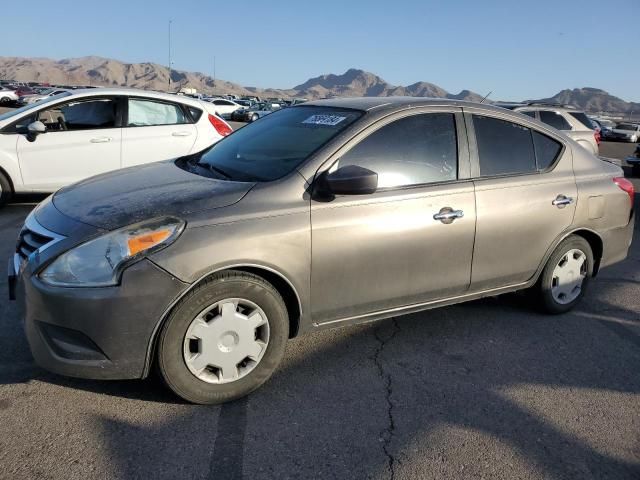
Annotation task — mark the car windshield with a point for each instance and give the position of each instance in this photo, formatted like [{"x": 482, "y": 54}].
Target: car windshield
[
  {"x": 274, "y": 146},
  {"x": 259, "y": 106},
  {"x": 625, "y": 126},
  {"x": 583, "y": 119},
  {"x": 18, "y": 111}
]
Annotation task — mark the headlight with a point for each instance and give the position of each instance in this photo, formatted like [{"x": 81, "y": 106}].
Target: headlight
[{"x": 99, "y": 262}]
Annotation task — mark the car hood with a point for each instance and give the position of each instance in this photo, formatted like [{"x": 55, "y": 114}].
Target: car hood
[{"x": 122, "y": 197}]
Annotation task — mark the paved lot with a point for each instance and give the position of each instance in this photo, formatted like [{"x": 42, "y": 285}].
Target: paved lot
[{"x": 488, "y": 389}]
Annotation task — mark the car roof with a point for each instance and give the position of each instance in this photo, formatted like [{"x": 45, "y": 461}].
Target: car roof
[
  {"x": 133, "y": 92},
  {"x": 395, "y": 103}
]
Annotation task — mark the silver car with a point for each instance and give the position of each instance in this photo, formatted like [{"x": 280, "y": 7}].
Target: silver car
[
  {"x": 325, "y": 214},
  {"x": 626, "y": 132}
]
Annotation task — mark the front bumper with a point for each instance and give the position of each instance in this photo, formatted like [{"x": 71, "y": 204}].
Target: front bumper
[{"x": 98, "y": 333}]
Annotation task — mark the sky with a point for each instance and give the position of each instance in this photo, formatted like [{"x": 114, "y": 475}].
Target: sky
[{"x": 517, "y": 49}]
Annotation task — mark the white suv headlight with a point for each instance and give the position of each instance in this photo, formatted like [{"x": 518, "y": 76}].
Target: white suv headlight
[{"x": 99, "y": 262}]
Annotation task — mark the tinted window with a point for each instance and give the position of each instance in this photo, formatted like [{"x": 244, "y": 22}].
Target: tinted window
[
  {"x": 149, "y": 112},
  {"x": 583, "y": 119},
  {"x": 410, "y": 151},
  {"x": 547, "y": 150},
  {"x": 277, "y": 144},
  {"x": 530, "y": 114},
  {"x": 196, "y": 113},
  {"x": 555, "y": 120},
  {"x": 503, "y": 147}
]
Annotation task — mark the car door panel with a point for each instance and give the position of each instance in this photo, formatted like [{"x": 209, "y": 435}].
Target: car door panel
[{"x": 388, "y": 251}]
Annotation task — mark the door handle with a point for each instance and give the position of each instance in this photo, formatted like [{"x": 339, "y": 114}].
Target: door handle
[
  {"x": 447, "y": 215},
  {"x": 101, "y": 140},
  {"x": 181, "y": 134},
  {"x": 562, "y": 201}
]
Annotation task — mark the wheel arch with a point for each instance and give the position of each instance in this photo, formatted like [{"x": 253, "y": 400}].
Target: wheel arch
[{"x": 279, "y": 281}]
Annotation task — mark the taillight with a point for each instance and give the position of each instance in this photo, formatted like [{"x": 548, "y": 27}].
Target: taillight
[
  {"x": 596, "y": 134},
  {"x": 626, "y": 186},
  {"x": 221, "y": 127}
]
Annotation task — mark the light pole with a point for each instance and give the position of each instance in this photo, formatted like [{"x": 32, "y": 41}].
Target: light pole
[{"x": 169, "y": 55}]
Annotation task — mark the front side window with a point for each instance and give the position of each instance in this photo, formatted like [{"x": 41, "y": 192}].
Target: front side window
[
  {"x": 91, "y": 114},
  {"x": 554, "y": 120},
  {"x": 414, "y": 150},
  {"x": 506, "y": 148},
  {"x": 143, "y": 113}
]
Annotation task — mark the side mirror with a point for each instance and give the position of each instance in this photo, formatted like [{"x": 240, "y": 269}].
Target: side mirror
[
  {"x": 351, "y": 180},
  {"x": 34, "y": 129}
]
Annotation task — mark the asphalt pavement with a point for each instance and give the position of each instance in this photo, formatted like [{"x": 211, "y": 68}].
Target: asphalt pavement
[{"x": 488, "y": 389}]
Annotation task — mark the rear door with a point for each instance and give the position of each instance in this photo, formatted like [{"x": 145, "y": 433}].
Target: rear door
[
  {"x": 156, "y": 130},
  {"x": 82, "y": 139},
  {"x": 385, "y": 250},
  {"x": 525, "y": 197}
]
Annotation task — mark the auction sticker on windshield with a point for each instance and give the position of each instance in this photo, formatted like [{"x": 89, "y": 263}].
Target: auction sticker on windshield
[{"x": 330, "y": 120}]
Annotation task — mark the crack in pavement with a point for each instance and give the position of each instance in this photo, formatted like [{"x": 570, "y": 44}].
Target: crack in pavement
[{"x": 387, "y": 434}]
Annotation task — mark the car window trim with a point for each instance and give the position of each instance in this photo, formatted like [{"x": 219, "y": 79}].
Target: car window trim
[
  {"x": 473, "y": 146},
  {"x": 182, "y": 106},
  {"x": 462, "y": 145}
]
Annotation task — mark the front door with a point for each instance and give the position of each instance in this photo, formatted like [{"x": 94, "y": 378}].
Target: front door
[
  {"x": 82, "y": 139},
  {"x": 376, "y": 252}
]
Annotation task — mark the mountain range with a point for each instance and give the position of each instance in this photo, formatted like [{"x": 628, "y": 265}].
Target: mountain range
[{"x": 95, "y": 70}]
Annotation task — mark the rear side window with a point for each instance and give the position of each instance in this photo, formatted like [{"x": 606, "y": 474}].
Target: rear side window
[
  {"x": 195, "y": 113},
  {"x": 583, "y": 119},
  {"x": 547, "y": 150},
  {"x": 554, "y": 120},
  {"x": 148, "y": 112},
  {"x": 530, "y": 114},
  {"x": 503, "y": 147},
  {"x": 414, "y": 150}
]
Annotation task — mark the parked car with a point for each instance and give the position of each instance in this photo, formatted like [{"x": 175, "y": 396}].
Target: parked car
[
  {"x": 634, "y": 161},
  {"x": 224, "y": 108},
  {"x": 49, "y": 92},
  {"x": 626, "y": 132},
  {"x": 8, "y": 97},
  {"x": 570, "y": 121},
  {"x": 254, "y": 112},
  {"x": 72, "y": 136},
  {"x": 202, "y": 266},
  {"x": 605, "y": 126}
]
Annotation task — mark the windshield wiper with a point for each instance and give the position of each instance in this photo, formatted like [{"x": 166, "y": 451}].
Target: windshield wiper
[{"x": 215, "y": 169}]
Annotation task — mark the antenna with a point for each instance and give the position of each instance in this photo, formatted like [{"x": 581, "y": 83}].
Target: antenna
[
  {"x": 169, "y": 55},
  {"x": 486, "y": 96}
]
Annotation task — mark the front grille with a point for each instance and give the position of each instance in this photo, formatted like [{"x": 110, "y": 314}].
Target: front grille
[
  {"x": 33, "y": 237},
  {"x": 29, "y": 242}
]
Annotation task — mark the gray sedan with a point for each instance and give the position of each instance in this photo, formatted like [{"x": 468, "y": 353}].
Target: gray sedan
[{"x": 326, "y": 214}]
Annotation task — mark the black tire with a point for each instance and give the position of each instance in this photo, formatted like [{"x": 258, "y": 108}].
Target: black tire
[
  {"x": 4, "y": 101},
  {"x": 545, "y": 300},
  {"x": 230, "y": 284},
  {"x": 635, "y": 170},
  {"x": 6, "y": 192}
]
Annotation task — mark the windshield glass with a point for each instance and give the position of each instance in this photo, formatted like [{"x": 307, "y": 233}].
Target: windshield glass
[
  {"x": 26, "y": 108},
  {"x": 583, "y": 119},
  {"x": 272, "y": 147},
  {"x": 625, "y": 126}
]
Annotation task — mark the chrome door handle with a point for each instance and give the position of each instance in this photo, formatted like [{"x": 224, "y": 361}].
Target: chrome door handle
[
  {"x": 181, "y": 134},
  {"x": 562, "y": 201},
  {"x": 101, "y": 140},
  {"x": 448, "y": 215}
]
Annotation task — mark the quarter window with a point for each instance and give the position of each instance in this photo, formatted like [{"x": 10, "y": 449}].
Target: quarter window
[
  {"x": 554, "y": 119},
  {"x": 413, "y": 150},
  {"x": 547, "y": 150},
  {"x": 149, "y": 112}
]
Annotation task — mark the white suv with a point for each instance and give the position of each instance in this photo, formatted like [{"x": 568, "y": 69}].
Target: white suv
[
  {"x": 573, "y": 123},
  {"x": 66, "y": 138}
]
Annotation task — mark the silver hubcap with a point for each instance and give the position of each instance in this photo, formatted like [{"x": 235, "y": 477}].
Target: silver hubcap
[
  {"x": 568, "y": 276},
  {"x": 226, "y": 341}
]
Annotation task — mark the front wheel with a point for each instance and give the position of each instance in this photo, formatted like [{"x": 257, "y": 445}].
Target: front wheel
[
  {"x": 635, "y": 170},
  {"x": 565, "y": 276},
  {"x": 254, "y": 117},
  {"x": 6, "y": 191},
  {"x": 224, "y": 339}
]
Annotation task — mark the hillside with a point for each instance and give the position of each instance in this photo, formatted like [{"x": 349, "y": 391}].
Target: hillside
[{"x": 354, "y": 82}]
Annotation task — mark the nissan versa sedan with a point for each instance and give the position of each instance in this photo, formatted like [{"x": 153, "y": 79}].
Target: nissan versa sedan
[{"x": 325, "y": 214}]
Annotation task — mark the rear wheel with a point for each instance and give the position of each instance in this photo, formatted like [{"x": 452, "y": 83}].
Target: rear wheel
[
  {"x": 254, "y": 117},
  {"x": 5, "y": 101},
  {"x": 224, "y": 339},
  {"x": 565, "y": 276},
  {"x": 6, "y": 192},
  {"x": 635, "y": 170}
]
